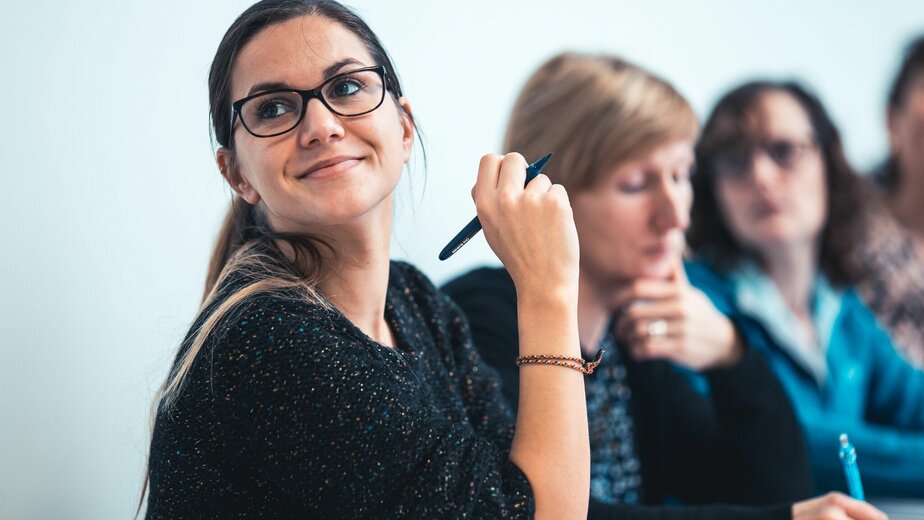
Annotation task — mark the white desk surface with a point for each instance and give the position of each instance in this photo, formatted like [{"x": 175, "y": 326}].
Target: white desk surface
[{"x": 900, "y": 508}]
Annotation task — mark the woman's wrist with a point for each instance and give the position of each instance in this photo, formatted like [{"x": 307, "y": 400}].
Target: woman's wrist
[
  {"x": 733, "y": 352},
  {"x": 552, "y": 304},
  {"x": 548, "y": 323},
  {"x": 561, "y": 295}
]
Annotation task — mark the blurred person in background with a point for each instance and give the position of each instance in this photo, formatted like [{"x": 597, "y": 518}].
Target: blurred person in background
[
  {"x": 775, "y": 212},
  {"x": 890, "y": 245},
  {"x": 623, "y": 141}
]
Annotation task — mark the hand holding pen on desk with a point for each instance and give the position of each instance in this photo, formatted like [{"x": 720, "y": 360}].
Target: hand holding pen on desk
[
  {"x": 530, "y": 229},
  {"x": 835, "y": 506}
]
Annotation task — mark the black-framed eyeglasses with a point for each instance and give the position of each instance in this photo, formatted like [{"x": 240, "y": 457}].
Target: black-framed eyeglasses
[
  {"x": 736, "y": 162},
  {"x": 275, "y": 112}
]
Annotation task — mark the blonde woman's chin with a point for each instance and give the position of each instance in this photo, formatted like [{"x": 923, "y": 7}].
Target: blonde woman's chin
[
  {"x": 659, "y": 269},
  {"x": 659, "y": 264}
]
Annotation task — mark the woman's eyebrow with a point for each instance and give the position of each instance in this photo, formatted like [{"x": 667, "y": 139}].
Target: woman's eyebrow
[
  {"x": 335, "y": 68},
  {"x": 328, "y": 72},
  {"x": 269, "y": 85}
]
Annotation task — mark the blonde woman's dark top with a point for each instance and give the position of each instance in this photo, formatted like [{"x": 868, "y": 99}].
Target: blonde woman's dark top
[{"x": 741, "y": 444}]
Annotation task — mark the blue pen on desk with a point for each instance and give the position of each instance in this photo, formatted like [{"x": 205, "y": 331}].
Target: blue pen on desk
[
  {"x": 474, "y": 226},
  {"x": 851, "y": 471}
]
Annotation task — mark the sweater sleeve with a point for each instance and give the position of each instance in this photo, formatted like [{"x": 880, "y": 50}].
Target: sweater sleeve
[
  {"x": 335, "y": 427},
  {"x": 758, "y": 436},
  {"x": 600, "y": 511},
  {"x": 765, "y": 442},
  {"x": 485, "y": 405},
  {"x": 487, "y": 298},
  {"x": 740, "y": 444}
]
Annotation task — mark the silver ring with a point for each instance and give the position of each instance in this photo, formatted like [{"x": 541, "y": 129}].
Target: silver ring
[{"x": 657, "y": 329}]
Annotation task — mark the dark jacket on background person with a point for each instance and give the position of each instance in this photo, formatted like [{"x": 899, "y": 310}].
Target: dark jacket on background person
[{"x": 741, "y": 444}]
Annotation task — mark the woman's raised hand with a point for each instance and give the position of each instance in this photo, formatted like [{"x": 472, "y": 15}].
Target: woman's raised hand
[
  {"x": 532, "y": 232},
  {"x": 530, "y": 229}
]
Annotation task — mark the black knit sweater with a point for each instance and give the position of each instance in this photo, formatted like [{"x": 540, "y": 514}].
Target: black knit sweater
[{"x": 290, "y": 411}]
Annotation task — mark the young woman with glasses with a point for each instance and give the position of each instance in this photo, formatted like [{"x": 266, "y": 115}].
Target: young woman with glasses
[
  {"x": 321, "y": 380},
  {"x": 623, "y": 141},
  {"x": 775, "y": 214}
]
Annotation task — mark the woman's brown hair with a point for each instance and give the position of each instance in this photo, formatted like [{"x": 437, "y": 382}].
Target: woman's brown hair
[{"x": 911, "y": 68}]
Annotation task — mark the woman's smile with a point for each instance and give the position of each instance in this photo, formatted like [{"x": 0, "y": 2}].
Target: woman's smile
[{"x": 330, "y": 168}]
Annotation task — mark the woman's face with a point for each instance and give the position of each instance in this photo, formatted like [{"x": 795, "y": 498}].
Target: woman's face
[
  {"x": 330, "y": 170},
  {"x": 906, "y": 129},
  {"x": 775, "y": 195},
  {"x": 631, "y": 224}
]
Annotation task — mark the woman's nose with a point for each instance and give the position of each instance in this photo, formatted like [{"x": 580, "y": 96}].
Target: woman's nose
[
  {"x": 671, "y": 209},
  {"x": 319, "y": 125}
]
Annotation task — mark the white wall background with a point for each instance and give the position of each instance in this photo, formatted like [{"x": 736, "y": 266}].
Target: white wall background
[{"x": 110, "y": 200}]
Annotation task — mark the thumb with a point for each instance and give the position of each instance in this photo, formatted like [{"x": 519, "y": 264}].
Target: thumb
[{"x": 678, "y": 274}]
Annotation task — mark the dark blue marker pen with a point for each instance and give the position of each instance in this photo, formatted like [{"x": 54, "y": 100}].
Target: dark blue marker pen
[
  {"x": 849, "y": 460},
  {"x": 473, "y": 227}
]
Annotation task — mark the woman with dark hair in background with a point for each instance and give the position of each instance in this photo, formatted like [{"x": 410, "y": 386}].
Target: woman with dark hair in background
[
  {"x": 891, "y": 245},
  {"x": 321, "y": 380},
  {"x": 775, "y": 214},
  {"x": 903, "y": 173},
  {"x": 623, "y": 141}
]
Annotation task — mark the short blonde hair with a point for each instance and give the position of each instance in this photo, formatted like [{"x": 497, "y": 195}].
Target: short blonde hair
[{"x": 595, "y": 112}]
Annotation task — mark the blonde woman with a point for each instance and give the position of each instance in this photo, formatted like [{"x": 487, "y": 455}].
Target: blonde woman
[
  {"x": 321, "y": 380},
  {"x": 623, "y": 142}
]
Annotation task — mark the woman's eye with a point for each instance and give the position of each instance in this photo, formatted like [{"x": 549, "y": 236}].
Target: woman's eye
[
  {"x": 346, "y": 87},
  {"x": 732, "y": 164},
  {"x": 273, "y": 109},
  {"x": 782, "y": 152},
  {"x": 633, "y": 185}
]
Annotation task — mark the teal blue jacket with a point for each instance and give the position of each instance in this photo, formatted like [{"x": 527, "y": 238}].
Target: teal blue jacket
[{"x": 869, "y": 393}]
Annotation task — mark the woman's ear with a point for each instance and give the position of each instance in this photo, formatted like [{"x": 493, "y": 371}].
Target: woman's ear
[
  {"x": 407, "y": 127},
  {"x": 229, "y": 170}
]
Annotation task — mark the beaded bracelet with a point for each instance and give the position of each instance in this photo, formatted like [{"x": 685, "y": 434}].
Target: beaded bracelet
[{"x": 587, "y": 367}]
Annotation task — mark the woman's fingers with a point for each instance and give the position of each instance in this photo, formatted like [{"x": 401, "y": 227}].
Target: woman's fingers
[
  {"x": 665, "y": 347},
  {"x": 835, "y": 506},
  {"x": 646, "y": 290},
  {"x": 512, "y": 174},
  {"x": 678, "y": 273},
  {"x": 857, "y": 509},
  {"x": 488, "y": 171},
  {"x": 641, "y": 320},
  {"x": 531, "y": 229},
  {"x": 539, "y": 185}
]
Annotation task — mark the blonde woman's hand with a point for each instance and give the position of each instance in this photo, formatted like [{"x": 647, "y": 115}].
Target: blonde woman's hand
[
  {"x": 671, "y": 319},
  {"x": 530, "y": 229},
  {"x": 835, "y": 506}
]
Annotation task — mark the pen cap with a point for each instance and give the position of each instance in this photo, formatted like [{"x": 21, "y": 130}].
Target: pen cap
[
  {"x": 847, "y": 452},
  {"x": 848, "y": 456}
]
